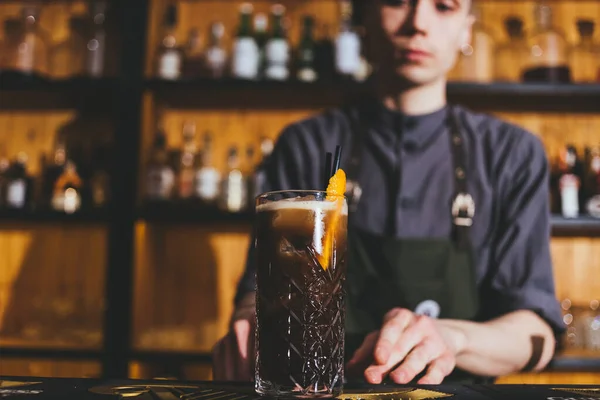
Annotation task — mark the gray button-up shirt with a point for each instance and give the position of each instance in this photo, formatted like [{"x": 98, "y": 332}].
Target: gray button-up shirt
[{"x": 406, "y": 174}]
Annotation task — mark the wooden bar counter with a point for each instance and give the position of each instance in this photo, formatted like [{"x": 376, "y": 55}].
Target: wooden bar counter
[{"x": 83, "y": 389}]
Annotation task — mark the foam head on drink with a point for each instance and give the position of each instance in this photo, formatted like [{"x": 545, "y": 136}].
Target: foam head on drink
[{"x": 300, "y": 249}]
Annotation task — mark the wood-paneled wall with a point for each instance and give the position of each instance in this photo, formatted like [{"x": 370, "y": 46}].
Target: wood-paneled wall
[{"x": 51, "y": 285}]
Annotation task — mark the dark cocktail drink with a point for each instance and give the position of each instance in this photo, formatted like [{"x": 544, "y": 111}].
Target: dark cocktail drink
[{"x": 301, "y": 269}]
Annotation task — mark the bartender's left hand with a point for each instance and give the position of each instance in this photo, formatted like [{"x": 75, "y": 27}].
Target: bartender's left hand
[{"x": 407, "y": 345}]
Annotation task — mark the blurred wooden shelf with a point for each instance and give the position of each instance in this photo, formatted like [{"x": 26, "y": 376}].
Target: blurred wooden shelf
[
  {"x": 178, "y": 213},
  {"x": 21, "y": 348},
  {"x": 21, "y": 91},
  {"x": 234, "y": 93},
  {"x": 575, "y": 360},
  {"x": 47, "y": 216},
  {"x": 166, "y": 356},
  {"x": 583, "y": 226}
]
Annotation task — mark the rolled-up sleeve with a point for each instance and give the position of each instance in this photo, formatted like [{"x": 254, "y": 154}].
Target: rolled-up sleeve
[
  {"x": 521, "y": 264},
  {"x": 281, "y": 171}
]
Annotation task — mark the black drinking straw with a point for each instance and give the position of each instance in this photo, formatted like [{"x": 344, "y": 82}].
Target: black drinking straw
[
  {"x": 327, "y": 170},
  {"x": 336, "y": 160}
]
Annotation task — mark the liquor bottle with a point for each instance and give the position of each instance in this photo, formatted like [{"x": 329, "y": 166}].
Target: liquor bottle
[
  {"x": 475, "y": 63},
  {"x": 307, "y": 52},
  {"x": 12, "y": 32},
  {"x": 31, "y": 51},
  {"x": 277, "y": 50},
  {"x": 249, "y": 176},
  {"x": 160, "y": 177},
  {"x": 266, "y": 148},
  {"x": 96, "y": 45},
  {"x": 18, "y": 186},
  {"x": 187, "y": 162},
  {"x": 67, "y": 58},
  {"x": 52, "y": 172},
  {"x": 511, "y": 55},
  {"x": 216, "y": 56},
  {"x": 193, "y": 61},
  {"x": 548, "y": 50},
  {"x": 233, "y": 192},
  {"x": 569, "y": 182},
  {"x": 593, "y": 183},
  {"x": 245, "y": 50},
  {"x": 585, "y": 55},
  {"x": 261, "y": 37},
  {"x": 100, "y": 180},
  {"x": 208, "y": 177},
  {"x": 67, "y": 190},
  {"x": 325, "y": 55},
  {"x": 347, "y": 44},
  {"x": 4, "y": 179},
  {"x": 169, "y": 54}
]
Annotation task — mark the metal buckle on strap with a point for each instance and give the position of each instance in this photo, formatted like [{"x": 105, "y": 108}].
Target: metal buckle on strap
[
  {"x": 463, "y": 209},
  {"x": 353, "y": 193}
]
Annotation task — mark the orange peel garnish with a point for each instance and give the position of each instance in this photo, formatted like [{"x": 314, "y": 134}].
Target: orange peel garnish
[{"x": 335, "y": 192}]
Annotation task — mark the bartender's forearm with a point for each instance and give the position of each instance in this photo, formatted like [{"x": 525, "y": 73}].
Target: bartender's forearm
[{"x": 501, "y": 346}]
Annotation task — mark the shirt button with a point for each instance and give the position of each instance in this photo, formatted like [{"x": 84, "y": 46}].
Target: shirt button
[
  {"x": 409, "y": 146},
  {"x": 406, "y": 202}
]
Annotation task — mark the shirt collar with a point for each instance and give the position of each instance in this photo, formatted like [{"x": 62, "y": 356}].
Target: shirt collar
[{"x": 415, "y": 130}]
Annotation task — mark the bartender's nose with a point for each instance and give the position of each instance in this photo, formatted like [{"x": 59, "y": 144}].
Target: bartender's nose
[{"x": 420, "y": 18}]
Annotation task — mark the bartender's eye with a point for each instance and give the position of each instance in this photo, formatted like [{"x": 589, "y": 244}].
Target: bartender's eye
[{"x": 446, "y": 6}]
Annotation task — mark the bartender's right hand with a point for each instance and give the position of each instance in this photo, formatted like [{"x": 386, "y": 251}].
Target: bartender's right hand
[{"x": 233, "y": 355}]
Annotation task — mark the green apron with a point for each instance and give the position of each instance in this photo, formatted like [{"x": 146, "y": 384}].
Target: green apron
[{"x": 434, "y": 277}]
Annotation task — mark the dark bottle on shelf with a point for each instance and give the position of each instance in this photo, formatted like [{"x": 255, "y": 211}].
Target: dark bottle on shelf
[
  {"x": 261, "y": 37},
  {"x": 67, "y": 190},
  {"x": 249, "y": 176},
  {"x": 187, "y": 162},
  {"x": 325, "y": 55},
  {"x": 96, "y": 45},
  {"x": 193, "y": 61},
  {"x": 592, "y": 183},
  {"x": 99, "y": 184},
  {"x": 548, "y": 56},
  {"x": 511, "y": 55},
  {"x": 53, "y": 171},
  {"x": 4, "y": 178},
  {"x": 306, "y": 53},
  {"x": 277, "y": 50},
  {"x": 585, "y": 55},
  {"x": 19, "y": 184},
  {"x": 169, "y": 54},
  {"x": 160, "y": 178}
]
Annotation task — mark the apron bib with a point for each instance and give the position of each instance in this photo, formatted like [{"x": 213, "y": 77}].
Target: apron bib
[{"x": 434, "y": 277}]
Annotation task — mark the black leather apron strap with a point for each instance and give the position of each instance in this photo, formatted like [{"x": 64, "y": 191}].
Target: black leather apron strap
[
  {"x": 463, "y": 206},
  {"x": 358, "y": 131}
]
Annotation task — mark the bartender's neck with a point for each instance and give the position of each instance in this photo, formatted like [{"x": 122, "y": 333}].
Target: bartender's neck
[{"x": 415, "y": 100}]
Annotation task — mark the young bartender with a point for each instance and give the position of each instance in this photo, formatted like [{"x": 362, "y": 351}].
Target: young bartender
[{"x": 449, "y": 274}]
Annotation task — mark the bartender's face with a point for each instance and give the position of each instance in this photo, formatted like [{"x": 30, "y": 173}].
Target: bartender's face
[{"x": 418, "y": 40}]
